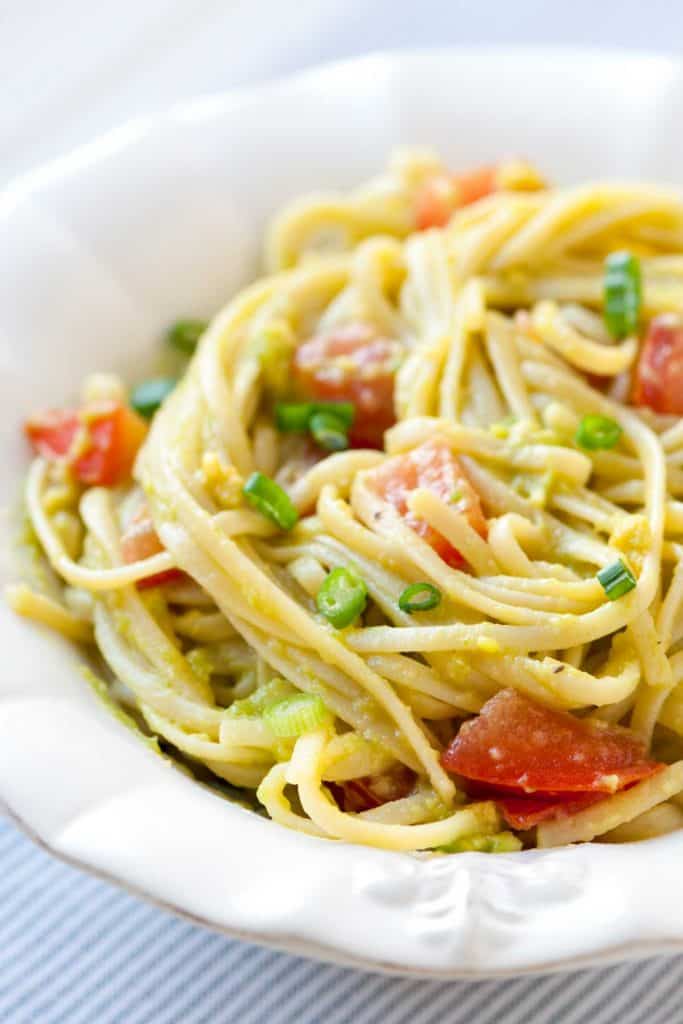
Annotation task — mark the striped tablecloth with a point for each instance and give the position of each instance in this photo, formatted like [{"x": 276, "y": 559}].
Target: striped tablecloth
[{"x": 74, "y": 950}]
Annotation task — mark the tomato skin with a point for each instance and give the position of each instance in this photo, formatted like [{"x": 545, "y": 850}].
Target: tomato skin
[
  {"x": 524, "y": 812},
  {"x": 114, "y": 435},
  {"x": 141, "y": 541},
  {"x": 159, "y": 579},
  {"x": 52, "y": 433},
  {"x": 659, "y": 375},
  {"x": 434, "y": 467},
  {"x": 441, "y": 195},
  {"x": 435, "y": 202},
  {"x": 598, "y": 382},
  {"x": 370, "y": 791},
  {"x": 475, "y": 184},
  {"x": 352, "y": 364},
  {"x": 521, "y": 747}
]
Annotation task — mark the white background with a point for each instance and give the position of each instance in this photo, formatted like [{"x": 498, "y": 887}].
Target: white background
[{"x": 72, "y": 68}]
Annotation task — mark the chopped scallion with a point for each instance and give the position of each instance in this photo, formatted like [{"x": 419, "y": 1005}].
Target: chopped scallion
[
  {"x": 185, "y": 334},
  {"x": 270, "y": 500},
  {"x": 501, "y": 842},
  {"x": 344, "y": 411},
  {"x": 597, "y": 432},
  {"x": 616, "y": 579},
  {"x": 328, "y": 431},
  {"x": 297, "y": 715},
  {"x": 623, "y": 294},
  {"x": 148, "y": 396},
  {"x": 342, "y": 597},
  {"x": 263, "y": 696},
  {"x": 419, "y": 597},
  {"x": 293, "y": 417}
]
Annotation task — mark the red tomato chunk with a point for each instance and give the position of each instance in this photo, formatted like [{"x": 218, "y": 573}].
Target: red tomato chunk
[
  {"x": 523, "y": 812},
  {"x": 434, "y": 467},
  {"x": 352, "y": 364},
  {"x": 99, "y": 442},
  {"x": 521, "y": 747},
  {"x": 141, "y": 541},
  {"x": 659, "y": 375},
  {"x": 443, "y": 194},
  {"x": 52, "y": 433},
  {"x": 374, "y": 790}
]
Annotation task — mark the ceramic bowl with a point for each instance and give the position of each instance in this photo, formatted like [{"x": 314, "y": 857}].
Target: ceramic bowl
[{"x": 163, "y": 217}]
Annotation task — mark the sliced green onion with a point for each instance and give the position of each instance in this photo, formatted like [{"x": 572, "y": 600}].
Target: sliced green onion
[
  {"x": 297, "y": 715},
  {"x": 616, "y": 580},
  {"x": 185, "y": 334},
  {"x": 419, "y": 597},
  {"x": 148, "y": 396},
  {"x": 270, "y": 500},
  {"x": 328, "y": 431},
  {"x": 293, "y": 417},
  {"x": 263, "y": 696},
  {"x": 342, "y": 597},
  {"x": 344, "y": 411},
  {"x": 501, "y": 842},
  {"x": 597, "y": 432},
  {"x": 623, "y": 294}
]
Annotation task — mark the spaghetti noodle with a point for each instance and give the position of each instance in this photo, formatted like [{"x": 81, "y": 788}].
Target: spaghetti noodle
[{"x": 401, "y": 551}]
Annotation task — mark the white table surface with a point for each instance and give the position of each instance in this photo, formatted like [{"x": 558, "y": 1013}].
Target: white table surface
[{"x": 73, "y": 949}]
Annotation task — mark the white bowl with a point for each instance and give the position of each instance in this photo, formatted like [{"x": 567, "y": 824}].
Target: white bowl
[{"x": 161, "y": 218}]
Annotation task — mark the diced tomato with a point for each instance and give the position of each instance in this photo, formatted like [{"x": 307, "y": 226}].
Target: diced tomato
[
  {"x": 598, "y": 382},
  {"x": 441, "y": 195},
  {"x": 434, "y": 467},
  {"x": 373, "y": 790},
  {"x": 435, "y": 202},
  {"x": 523, "y": 812},
  {"x": 659, "y": 375},
  {"x": 352, "y": 364},
  {"x": 99, "y": 442},
  {"x": 522, "y": 747},
  {"x": 475, "y": 184},
  {"x": 116, "y": 434},
  {"x": 141, "y": 541},
  {"x": 53, "y": 432}
]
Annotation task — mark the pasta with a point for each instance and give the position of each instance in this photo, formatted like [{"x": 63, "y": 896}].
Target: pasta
[{"x": 401, "y": 551}]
